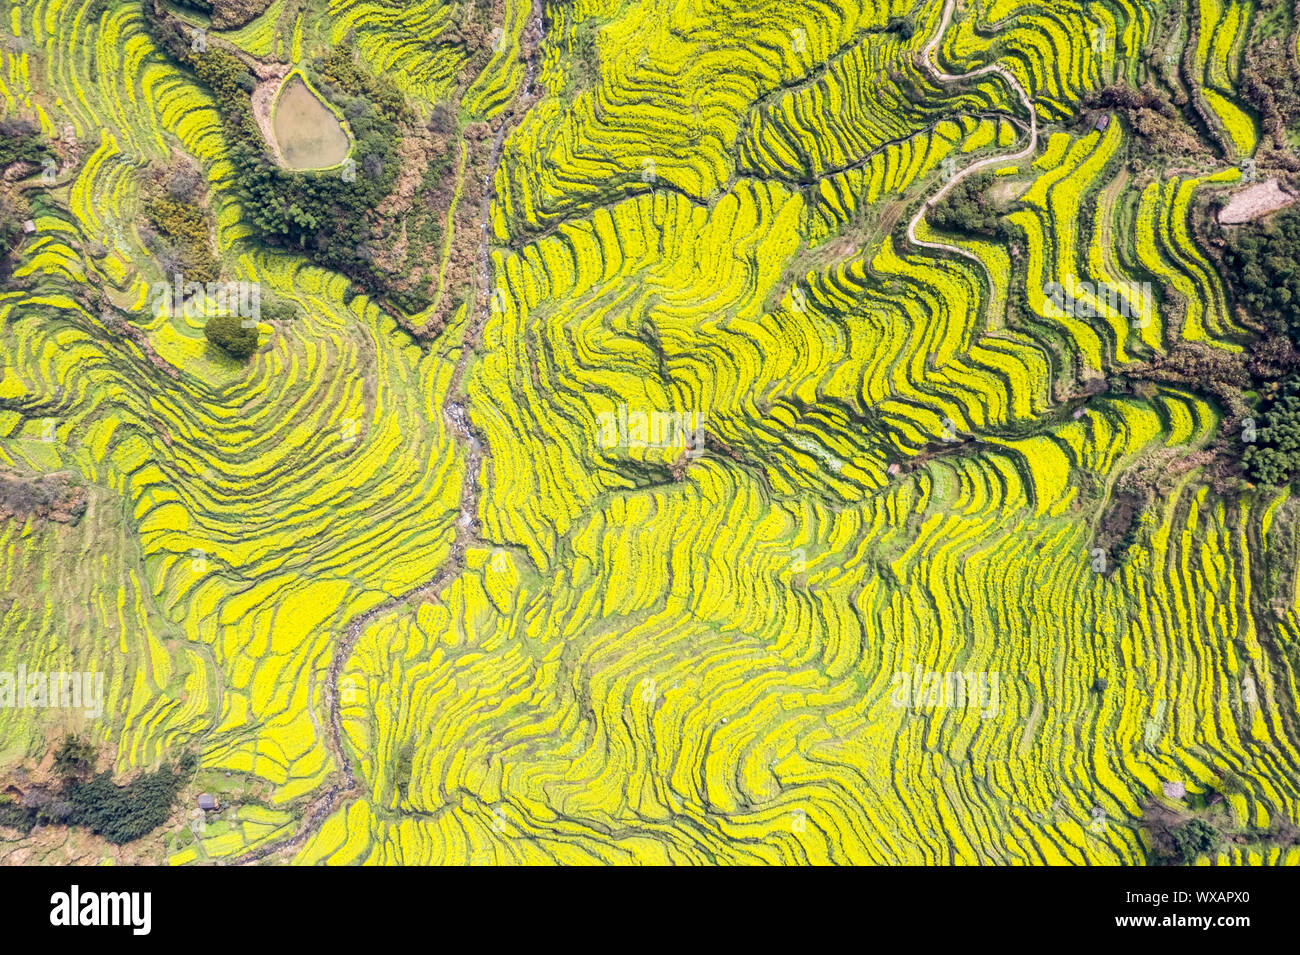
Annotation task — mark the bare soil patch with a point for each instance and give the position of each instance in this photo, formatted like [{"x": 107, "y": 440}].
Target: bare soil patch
[{"x": 1255, "y": 202}]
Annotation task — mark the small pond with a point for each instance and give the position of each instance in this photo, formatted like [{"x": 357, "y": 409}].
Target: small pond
[{"x": 308, "y": 134}]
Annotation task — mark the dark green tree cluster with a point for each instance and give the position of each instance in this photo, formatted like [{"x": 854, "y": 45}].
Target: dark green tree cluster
[
  {"x": 14, "y": 815},
  {"x": 903, "y": 26},
  {"x": 1194, "y": 838},
  {"x": 21, "y": 141},
  {"x": 1263, "y": 262},
  {"x": 119, "y": 814},
  {"x": 125, "y": 813},
  {"x": 1275, "y": 455},
  {"x": 968, "y": 209},
  {"x": 74, "y": 757},
  {"x": 277, "y": 310},
  {"x": 228, "y": 333},
  {"x": 324, "y": 214}
]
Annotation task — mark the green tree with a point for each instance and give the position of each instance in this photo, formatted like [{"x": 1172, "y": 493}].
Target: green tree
[
  {"x": 21, "y": 140},
  {"x": 1275, "y": 456},
  {"x": 969, "y": 209},
  {"x": 903, "y": 26},
  {"x": 1263, "y": 262},
  {"x": 1194, "y": 838},
  {"x": 125, "y": 813},
  {"x": 228, "y": 333},
  {"x": 277, "y": 310},
  {"x": 74, "y": 757}
]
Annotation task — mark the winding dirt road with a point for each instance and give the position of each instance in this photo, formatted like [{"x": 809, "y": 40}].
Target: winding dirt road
[{"x": 927, "y": 62}]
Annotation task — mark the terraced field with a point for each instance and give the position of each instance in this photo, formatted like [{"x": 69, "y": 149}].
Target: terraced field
[{"x": 747, "y": 493}]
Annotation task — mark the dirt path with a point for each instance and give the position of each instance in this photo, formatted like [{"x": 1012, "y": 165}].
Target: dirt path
[
  {"x": 263, "y": 97},
  {"x": 466, "y": 534},
  {"x": 927, "y": 62}
]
